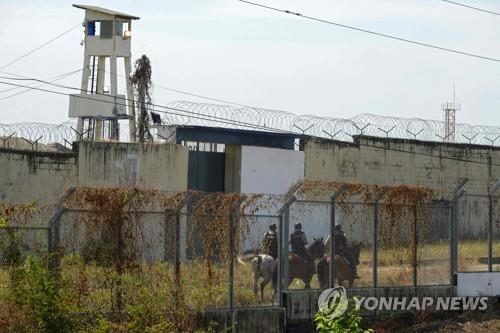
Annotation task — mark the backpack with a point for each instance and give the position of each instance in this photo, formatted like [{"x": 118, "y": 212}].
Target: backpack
[{"x": 270, "y": 243}]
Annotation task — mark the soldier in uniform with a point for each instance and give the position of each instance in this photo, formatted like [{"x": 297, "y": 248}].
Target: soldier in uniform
[
  {"x": 298, "y": 240},
  {"x": 342, "y": 249},
  {"x": 270, "y": 242}
]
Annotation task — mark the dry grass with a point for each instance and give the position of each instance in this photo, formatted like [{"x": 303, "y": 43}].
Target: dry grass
[{"x": 89, "y": 287}]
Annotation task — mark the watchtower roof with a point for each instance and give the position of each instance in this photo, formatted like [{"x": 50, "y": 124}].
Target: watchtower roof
[{"x": 106, "y": 11}]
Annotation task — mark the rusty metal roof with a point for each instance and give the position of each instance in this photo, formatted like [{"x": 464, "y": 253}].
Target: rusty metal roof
[{"x": 106, "y": 11}]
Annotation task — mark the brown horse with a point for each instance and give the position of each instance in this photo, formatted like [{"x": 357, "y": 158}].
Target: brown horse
[
  {"x": 342, "y": 268},
  {"x": 298, "y": 269}
]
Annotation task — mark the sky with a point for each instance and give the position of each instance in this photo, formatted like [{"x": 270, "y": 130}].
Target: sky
[{"x": 230, "y": 50}]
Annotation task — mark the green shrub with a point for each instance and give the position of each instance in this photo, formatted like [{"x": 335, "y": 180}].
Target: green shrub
[
  {"x": 10, "y": 248},
  {"x": 349, "y": 322},
  {"x": 34, "y": 292}
]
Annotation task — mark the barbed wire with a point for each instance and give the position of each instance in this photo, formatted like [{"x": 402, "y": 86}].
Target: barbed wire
[
  {"x": 42, "y": 133},
  {"x": 342, "y": 129}
]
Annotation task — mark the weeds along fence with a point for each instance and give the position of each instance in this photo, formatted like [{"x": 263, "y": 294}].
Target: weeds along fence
[
  {"x": 127, "y": 252},
  {"x": 23, "y": 232}
]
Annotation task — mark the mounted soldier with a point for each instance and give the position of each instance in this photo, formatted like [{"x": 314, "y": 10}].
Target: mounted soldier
[
  {"x": 298, "y": 240},
  {"x": 270, "y": 242},
  {"x": 342, "y": 248}
]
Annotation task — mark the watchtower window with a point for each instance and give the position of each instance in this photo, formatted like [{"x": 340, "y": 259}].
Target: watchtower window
[
  {"x": 106, "y": 29},
  {"x": 121, "y": 27},
  {"x": 103, "y": 29}
]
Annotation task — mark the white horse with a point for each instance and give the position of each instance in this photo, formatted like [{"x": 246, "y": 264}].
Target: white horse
[{"x": 264, "y": 266}]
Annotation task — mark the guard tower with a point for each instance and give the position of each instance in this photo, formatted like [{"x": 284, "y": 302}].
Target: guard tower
[
  {"x": 450, "y": 110},
  {"x": 99, "y": 106}
]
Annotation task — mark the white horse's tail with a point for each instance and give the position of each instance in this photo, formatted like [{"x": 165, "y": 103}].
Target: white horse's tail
[{"x": 257, "y": 266}]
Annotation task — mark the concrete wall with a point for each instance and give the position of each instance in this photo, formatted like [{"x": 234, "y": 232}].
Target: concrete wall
[
  {"x": 157, "y": 166},
  {"x": 478, "y": 284},
  {"x": 301, "y": 305},
  {"x": 270, "y": 170},
  {"x": 251, "y": 169},
  {"x": 397, "y": 161},
  {"x": 26, "y": 176}
]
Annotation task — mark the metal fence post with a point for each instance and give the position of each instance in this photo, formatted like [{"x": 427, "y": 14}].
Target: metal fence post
[
  {"x": 454, "y": 240},
  {"x": 284, "y": 220},
  {"x": 491, "y": 192},
  {"x": 375, "y": 237},
  {"x": 415, "y": 247},
  {"x": 54, "y": 229},
  {"x": 120, "y": 260},
  {"x": 54, "y": 237},
  {"x": 169, "y": 213},
  {"x": 333, "y": 209},
  {"x": 284, "y": 215},
  {"x": 286, "y": 232},
  {"x": 457, "y": 194},
  {"x": 279, "y": 287},
  {"x": 231, "y": 262},
  {"x": 375, "y": 247},
  {"x": 331, "y": 267},
  {"x": 50, "y": 246},
  {"x": 119, "y": 268},
  {"x": 177, "y": 267},
  {"x": 232, "y": 230}
]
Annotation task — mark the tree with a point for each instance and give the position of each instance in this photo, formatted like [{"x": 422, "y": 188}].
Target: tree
[{"x": 141, "y": 80}]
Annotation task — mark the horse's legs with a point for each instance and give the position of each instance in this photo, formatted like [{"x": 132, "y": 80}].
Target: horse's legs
[
  {"x": 307, "y": 281},
  {"x": 351, "y": 282},
  {"x": 273, "y": 284},
  {"x": 341, "y": 282},
  {"x": 322, "y": 274},
  {"x": 255, "y": 280},
  {"x": 263, "y": 284}
]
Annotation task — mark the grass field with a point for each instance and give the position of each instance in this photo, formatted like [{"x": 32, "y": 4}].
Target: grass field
[{"x": 150, "y": 291}]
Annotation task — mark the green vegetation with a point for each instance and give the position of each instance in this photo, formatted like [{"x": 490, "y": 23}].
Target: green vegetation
[
  {"x": 349, "y": 322},
  {"x": 82, "y": 296}
]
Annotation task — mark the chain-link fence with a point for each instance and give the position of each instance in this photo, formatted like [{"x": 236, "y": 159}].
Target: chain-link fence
[
  {"x": 115, "y": 250},
  {"x": 478, "y": 233},
  {"x": 375, "y": 244}
]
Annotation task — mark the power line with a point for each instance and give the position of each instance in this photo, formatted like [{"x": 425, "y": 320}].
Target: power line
[
  {"x": 16, "y": 88},
  {"x": 471, "y": 7},
  {"x": 191, "y": 114},
  {"x": 372, "y": 32},
  {"x": 132, "y": 101},
  {"x": 191, "y": 94},
  {"x": 29, "y": 88},
  {"x": 39, "y": 47},
  {"x": 197, "y": 115}
]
